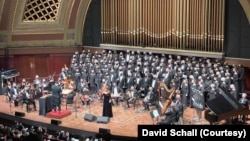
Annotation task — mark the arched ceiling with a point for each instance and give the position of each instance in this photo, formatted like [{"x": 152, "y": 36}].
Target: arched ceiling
[
  {"x": 42, "y": 23},
  {"x": 65, "y": 30},
  {"x": 246, "y": 7}
]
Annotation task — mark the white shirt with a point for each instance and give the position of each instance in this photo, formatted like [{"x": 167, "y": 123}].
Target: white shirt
[
  {"x": 27, "y": 94},
  {"x": 115, "y": 91},
  {"x": 153, "y": 83}
]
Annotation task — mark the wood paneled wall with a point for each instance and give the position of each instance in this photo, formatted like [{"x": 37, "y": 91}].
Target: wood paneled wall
[{"x": 37, "y": 61}]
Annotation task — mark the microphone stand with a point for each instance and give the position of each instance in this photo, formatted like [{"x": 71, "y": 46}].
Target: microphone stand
[
  {"x": 10, "y": 106},
  {"x": 137, "y": 104},
  {"x": 75, "y": 108},
  {"x": 89, "y": 105}
]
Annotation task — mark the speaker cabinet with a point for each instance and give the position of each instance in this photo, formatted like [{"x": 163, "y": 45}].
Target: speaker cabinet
[
  {"x": 104, "y": 131},
  {"x": 89, "y": 117},
  {"x": 102, "y": 119},
  {"x": 19, "y": 114},
  {"x": 55, "y": 122}
]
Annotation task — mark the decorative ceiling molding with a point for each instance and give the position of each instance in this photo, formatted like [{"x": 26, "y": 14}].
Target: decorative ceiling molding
[
  {"x": 246, "y": 7},
  {"x": 80, "y": 19},
  {"x": 19, "y": 25},
  {"x": 1, "y": 8},
  {"x": 66, "y": 29}
]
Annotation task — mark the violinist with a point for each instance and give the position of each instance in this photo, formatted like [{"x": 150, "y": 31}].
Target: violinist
[
  {"x": 63, "y": 74},
  {"x": 38, "y": 92},
  {"x": 36, "y": 81},
  {"x": 14, "y": 93},
  {"x": 70, "y": 96},
  {"x": 23, "y": 84}
]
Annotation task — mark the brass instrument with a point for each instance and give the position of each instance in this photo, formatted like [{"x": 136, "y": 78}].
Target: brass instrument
[{"x": 171, "y": 92}]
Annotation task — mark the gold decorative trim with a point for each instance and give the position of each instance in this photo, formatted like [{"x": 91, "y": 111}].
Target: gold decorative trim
[
  {"x": 1, "y": 8},
  {"x": 246, "y": 7},
  {"x": 80, "y": 20},
  {"x": 41, "y": 11},
  {"x": 163, "y": 50},
  {"x": 19, "y": 25}
]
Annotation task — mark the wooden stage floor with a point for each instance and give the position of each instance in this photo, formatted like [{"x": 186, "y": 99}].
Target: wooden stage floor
[{"x": 124, "y": 122}]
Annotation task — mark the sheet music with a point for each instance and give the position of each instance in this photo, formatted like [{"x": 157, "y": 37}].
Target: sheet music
[{"x": 156, "y": 113}]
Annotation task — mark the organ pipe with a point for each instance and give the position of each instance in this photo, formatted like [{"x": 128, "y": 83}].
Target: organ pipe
[{"x": 173, "y": 24}]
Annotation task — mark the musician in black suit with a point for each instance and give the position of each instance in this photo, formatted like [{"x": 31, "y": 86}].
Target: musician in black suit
[
  {"x": 131, "y": 96},
  {"x": 129, "y": 81},
  {"x": 14, "y": 90},
  {"x": 116, "y": 93},
  {"x": 149, "y": 98},
  {"x": 91, "y": 80},
  {"x": 121, "y": 82},
  {"x": 28, "y": 99},
  {"x": 113, "y": 76},
  {"x": 146, "y": 83},
  {"x": 185, "y": 91},
  {"x": 56, "y": 96},
  {"x": 244, "y": 102},
  {"x": 241, "y": 72},
  {"x": 174, "y": 112},
  {"x": 154, "y": 83}
]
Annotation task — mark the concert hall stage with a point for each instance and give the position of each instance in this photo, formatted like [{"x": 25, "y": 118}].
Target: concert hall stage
[{"x": 124, "y": 123}]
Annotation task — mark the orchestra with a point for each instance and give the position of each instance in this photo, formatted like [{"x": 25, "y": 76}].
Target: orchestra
[{"x": 129, "y": 80}]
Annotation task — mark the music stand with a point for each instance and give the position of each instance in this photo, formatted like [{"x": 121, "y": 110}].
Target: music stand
[
  {"x": 137, "y": 102},
  {"x": 75, "y": 109},
  {"x": 10, "y": 105},
  {"x": 155, "y": 114},
  {"x": 198, "y": 106}
]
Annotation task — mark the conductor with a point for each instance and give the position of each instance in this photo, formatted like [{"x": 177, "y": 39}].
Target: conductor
[{"x": 56, "y": 96}]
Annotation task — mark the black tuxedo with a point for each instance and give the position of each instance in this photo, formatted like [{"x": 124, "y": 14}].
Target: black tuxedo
[
  {"x": 129, "y": 82},
  {"x": 28, "y": 99},
  {"x": 244, "y": 102},
  {"x": 56, "y": 96},
  {"x": 146, "y": 82},
  {"x": 154, "y": 85},
  {"x": 138, "y": 83},
  {"x": 150, "y": 98},
  {"x": 121, "y": 82}
]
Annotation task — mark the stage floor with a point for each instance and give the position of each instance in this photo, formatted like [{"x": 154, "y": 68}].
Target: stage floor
[{"x": 123, "y": 123}]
